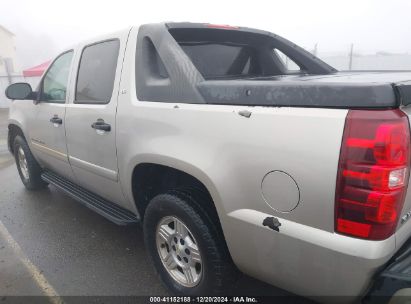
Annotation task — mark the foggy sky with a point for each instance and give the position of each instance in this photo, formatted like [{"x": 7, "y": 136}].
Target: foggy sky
[{"x": 45, "y": 27}]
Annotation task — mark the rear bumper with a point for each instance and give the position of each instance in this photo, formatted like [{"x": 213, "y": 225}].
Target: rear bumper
[
  {"x": 305, "y": 260},
  {"x": 399, "y": 267},
  {"x": 394, "y": 276}
]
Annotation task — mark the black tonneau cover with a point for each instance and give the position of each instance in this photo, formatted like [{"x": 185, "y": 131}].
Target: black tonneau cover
[
  {"x": 403, "y": 90},
  {"x": 299, "y": 94}
]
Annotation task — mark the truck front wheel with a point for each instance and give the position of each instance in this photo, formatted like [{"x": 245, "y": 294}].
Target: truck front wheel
[
  {"x": 29, "y": 170},
  {"x": 186, "y": 250}
]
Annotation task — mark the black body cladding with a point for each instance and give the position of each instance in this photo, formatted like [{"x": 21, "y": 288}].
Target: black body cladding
[{"x": 199, "y": 63}]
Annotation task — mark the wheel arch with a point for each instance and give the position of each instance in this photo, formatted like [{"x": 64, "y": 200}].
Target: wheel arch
[
  {"x": 13, "y": 130},
  {"x": 167, "y": 174}
]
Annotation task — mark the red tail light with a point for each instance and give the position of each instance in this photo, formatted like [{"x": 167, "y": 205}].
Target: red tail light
[
  {"x": 221, "y": 26},
  {"x": 373, "y": 173}
]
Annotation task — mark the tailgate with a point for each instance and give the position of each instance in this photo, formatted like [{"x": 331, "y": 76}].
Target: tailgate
[
  {"x": 396, "y": 274},
  {"x": 404, "y": 225}
]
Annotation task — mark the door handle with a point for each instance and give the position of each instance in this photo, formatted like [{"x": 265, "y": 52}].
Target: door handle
[
  {"x": 101, "y": 125},
  {"x": 56, "y": 120}
]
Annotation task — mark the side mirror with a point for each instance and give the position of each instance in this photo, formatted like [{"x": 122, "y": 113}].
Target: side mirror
[{"x": 20, "y": 90}]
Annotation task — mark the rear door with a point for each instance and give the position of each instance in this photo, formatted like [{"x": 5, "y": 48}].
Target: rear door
[
  {"x": 47, "y": 122},
  {"x": 91, "y": 117}
]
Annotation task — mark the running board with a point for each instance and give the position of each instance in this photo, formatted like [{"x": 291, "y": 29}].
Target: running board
[{"x": 109, "y": 210}]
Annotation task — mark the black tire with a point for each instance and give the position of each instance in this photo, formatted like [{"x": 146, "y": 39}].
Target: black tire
[
  {"x": 219, "y": 273},
  {"x": 34, "y": 181}
]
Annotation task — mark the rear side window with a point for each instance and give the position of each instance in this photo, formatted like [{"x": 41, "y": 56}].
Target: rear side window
[
  {"x": 218, "y": 60},
  {"x": 97, "y": 70}
]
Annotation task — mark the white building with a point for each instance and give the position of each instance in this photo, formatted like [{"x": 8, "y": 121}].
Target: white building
[
  {"x": 8, "y": 56},
  {"x": 10, "y": 70}
]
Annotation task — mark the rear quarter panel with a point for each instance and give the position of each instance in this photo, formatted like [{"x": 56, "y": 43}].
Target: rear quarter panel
[{"x": 232, "y": 153}]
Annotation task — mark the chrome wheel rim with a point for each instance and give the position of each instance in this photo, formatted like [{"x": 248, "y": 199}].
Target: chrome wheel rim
[
  {"x": 179, "y": 252},
  {"x": 23, "y": 163}
]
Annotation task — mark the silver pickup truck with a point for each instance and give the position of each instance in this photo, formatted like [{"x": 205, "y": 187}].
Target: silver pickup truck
[{"x": 234, "y": 148}]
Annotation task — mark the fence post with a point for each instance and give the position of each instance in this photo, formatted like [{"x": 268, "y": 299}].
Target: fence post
[
  {"x": 315, "y": 49},
  {"x": 351, "y": 53}
]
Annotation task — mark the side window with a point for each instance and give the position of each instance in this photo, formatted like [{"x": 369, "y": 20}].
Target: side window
[
  {"x": 54, "y": 85},
  {"x": 96, "y": 73},
  {"x": 288, "y": 63}
]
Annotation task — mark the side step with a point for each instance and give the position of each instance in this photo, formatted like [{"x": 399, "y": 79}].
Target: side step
[{"x": 109, "y": 210}]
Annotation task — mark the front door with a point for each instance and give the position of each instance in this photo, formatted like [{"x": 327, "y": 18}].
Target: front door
[
  {"x": 46, "y": 125},
  {"x": 91, "y": 118}
]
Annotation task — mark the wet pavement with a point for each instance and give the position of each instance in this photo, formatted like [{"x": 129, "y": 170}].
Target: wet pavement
[
  {"x": 78, "y": 251},
  {"x": 65, "y": 247},
  {"x": 5, "y": 157}
]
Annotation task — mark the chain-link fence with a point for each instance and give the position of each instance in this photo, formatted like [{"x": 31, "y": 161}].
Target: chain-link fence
[
  {"x": 356, "y": 59},
  {"x": 369, "y": 62}
]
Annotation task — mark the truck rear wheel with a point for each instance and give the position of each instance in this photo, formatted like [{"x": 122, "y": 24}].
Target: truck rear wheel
[
  {"x": 186, "y": 250},
  {"x": 27, "y": 166}
]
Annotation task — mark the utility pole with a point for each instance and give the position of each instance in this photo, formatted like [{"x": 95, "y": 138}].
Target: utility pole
[
  {"x": 315, "y": 49},
  {"x": 351, "y": 53}
]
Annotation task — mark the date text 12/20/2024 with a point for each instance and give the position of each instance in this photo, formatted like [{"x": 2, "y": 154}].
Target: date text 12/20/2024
[{"x": 236, "y": 299}]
